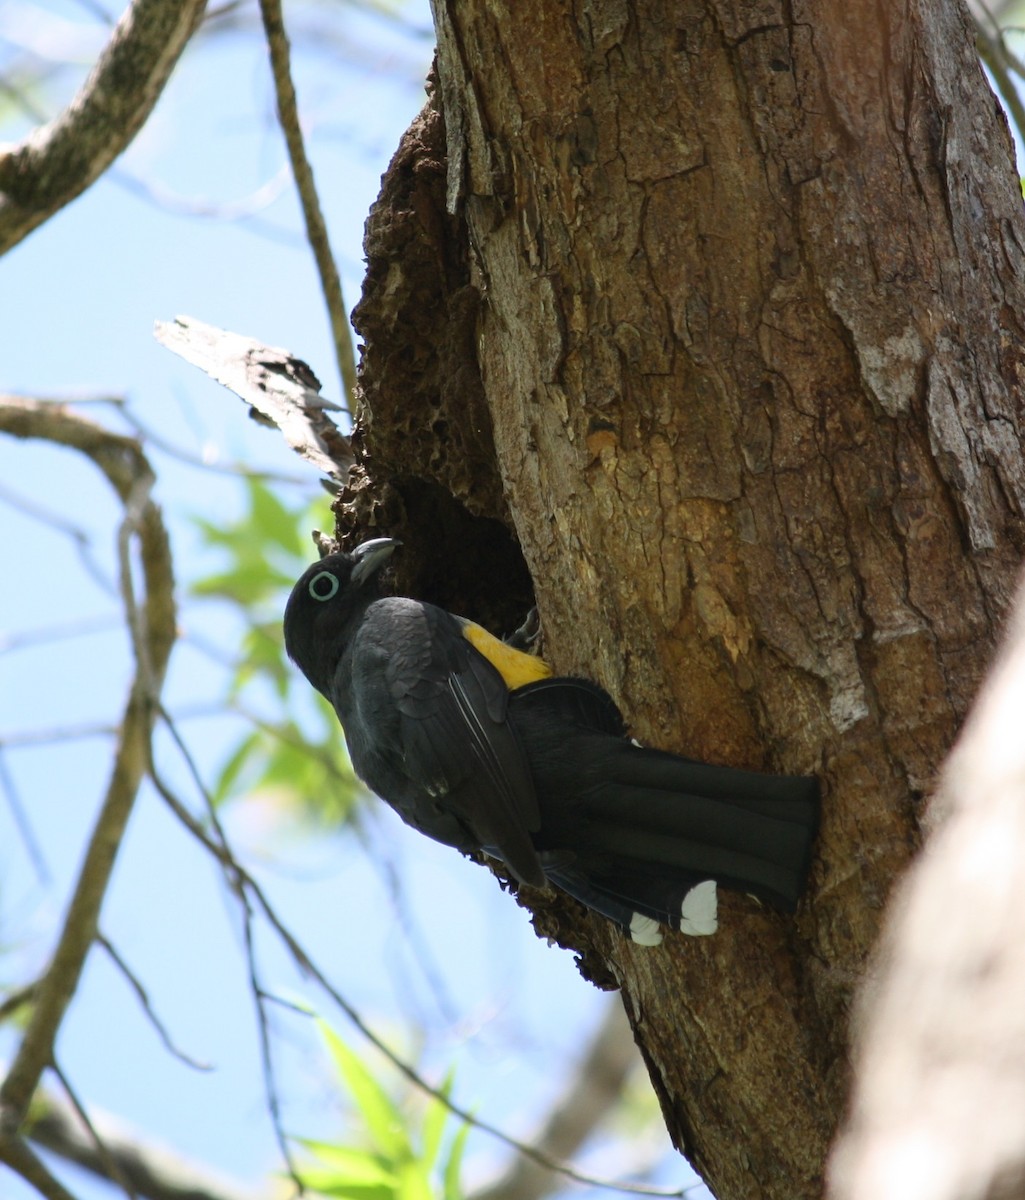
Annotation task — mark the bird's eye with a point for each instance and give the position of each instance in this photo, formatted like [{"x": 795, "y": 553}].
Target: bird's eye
[{"x": 323, "y": 585}]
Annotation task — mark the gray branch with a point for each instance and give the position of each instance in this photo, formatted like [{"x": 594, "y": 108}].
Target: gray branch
[
  {"x": 151, "y": 619},
  {"x": 939, "y": 1100},
  {"x": 150, "y": 1170},
  {"x": 313, "y": 216},
  {"x": 280, "y": 389},
  {"x": 59, "y": 160}
]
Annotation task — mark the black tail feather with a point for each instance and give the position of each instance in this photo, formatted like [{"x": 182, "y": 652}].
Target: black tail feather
[
  {"x": 629, "y": 830},
  {"x": 718, "y": 822},
  {"x": 593, "y": 895},
  {"x": 625, "y": 895}
]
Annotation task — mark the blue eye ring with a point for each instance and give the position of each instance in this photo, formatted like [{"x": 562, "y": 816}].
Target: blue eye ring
[{"x": 317, "y": 582}]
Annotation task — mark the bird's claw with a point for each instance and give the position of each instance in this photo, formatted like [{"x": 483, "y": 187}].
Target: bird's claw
[{"x": 527, "y": 634}]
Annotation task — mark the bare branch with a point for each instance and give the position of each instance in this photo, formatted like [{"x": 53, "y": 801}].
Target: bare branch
[
  {"x": 234, "y": 468},
  {"x": 279, "y": 387},
  {"x": 316, "y": 229},
  {"x": 594, "y": 1088},
  {"x": 38, "y": 512},
  {"x": 142, "y": 995},
  {"x": 270, "y": 1084},
  {"x": 240, "y": 878},
  {"x": 82, "y": 627},
  {"x": 150, "y": 1170},
  {"x": 20, "y": 1157},
  {"x": 153, "y": 624},
  {"x": 1000, "y": 62},
  {"x": 165, "y": 199},
  {"x": 939, "y": 1101},
  {"x": 21, "y": 820},
  {"x": 61, "y": 733},
  {"x": 111, "y": 1168},
  {"x": 58, "y": 161}
]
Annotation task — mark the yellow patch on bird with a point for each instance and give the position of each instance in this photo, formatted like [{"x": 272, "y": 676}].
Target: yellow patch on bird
[{"x": 515, "y": 667}]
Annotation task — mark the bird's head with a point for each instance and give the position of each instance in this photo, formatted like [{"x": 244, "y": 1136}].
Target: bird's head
[{"x": 327, "y": 596}]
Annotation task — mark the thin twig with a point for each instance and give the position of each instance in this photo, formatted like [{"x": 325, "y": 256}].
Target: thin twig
[
  {"x": 142, "y": 996},
  {"x": 58, "y": 733},
  {"x": 316, "y": 228},
  {"x": 201, "y": 787},
  {"x": 270, "y": 1086},
  {"x": 234, "y": 469},
  {"x": 308, "y": 967},
  {"x": 153, "y": 1170},
  {"x": 59, "y": 631},
  {"x": 167, "y": 200},
  {"x": 38, "y": 512},
  {"x": 147, "y": 435},
  {"x": 21, "y": 821},
  {"x": 412, "y": 934},
  {"x": 110, "y": 1165},
  {"x": 237, "y": 880}
]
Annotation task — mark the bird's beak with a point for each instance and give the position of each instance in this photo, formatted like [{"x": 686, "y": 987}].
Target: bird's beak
[{"x": 370, "y": 557}]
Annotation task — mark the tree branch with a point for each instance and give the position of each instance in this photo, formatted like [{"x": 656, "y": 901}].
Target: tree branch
[
  {"x": 240, "y": 879},
  {"x": 21, "y": 1158},
  {"x": 59, "y": 160},
  {"x": 594, "y": 1088},
  {"x": 316, "y": 229},
  {"x": 279, "y": 388},
  {"x": 150, "y": 1170},
  {"x": 1000, "y": 62},
  {"x": 939, "y": 1103},
  {"x": 142, "y": 996},
  {"x": 153, "y": 630}
]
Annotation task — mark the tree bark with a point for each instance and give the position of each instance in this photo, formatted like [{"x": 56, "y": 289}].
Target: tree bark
[{"x": 714, "y": 308}]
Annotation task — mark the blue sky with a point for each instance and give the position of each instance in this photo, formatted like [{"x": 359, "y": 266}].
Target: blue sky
[{"x": 78, "y": 300}]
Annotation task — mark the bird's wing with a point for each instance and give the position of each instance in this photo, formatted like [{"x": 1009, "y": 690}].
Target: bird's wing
[{"x": 456, "y": 741}]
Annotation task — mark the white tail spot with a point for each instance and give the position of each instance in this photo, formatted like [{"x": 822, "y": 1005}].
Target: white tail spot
[
  {"x": 645, "y": 931},
  {"x": 699, "y": 912}
]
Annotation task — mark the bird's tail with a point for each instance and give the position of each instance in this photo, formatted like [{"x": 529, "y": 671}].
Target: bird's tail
[{"x": 643, "y": 836}]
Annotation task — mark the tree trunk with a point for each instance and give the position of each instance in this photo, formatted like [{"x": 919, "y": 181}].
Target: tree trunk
[{"x": 715, "y": 309}]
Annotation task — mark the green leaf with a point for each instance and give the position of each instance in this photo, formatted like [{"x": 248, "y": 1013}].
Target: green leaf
[
  {"x": 383, "y": 1120},
  {"x": 246, "y": 584},
  {"x": 262, "y": 553},
  {"x": 348, "y": 1171},
  {"x": 414, "y": 1183},
  {"x": 435, "y": 1118},
  {"x": 241, "y": 757},
  {"x": 453, "y": 1188},
  {"x": 273, "y": 519},
  {"x": 347, "y": 1190}
]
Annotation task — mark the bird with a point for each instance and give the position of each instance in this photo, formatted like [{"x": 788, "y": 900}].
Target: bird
[{"x": 477, "y": 744}]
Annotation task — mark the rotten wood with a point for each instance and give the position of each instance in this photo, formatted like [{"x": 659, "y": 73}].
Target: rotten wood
[{"x": 280, "y": 389}]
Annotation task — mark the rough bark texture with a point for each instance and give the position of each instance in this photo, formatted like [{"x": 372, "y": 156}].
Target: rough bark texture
[{"x": 712, "y": 309}]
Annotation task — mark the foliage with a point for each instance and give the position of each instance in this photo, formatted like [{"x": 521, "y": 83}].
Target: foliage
[
  {"x": 398, "y": 1160},
  {"x": 295, "y": 750}
]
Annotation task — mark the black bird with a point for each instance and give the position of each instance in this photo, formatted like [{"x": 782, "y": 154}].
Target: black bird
[{"x": 474, "y": 743}]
